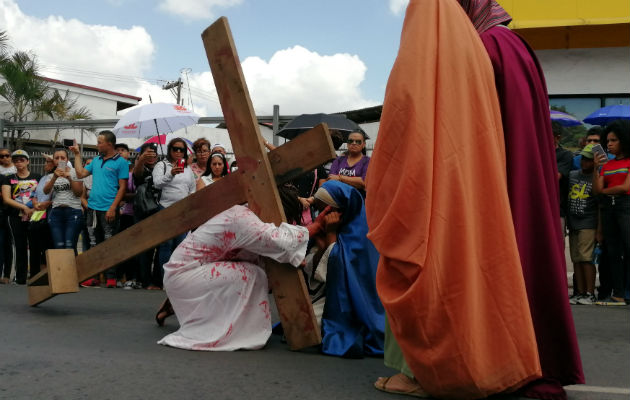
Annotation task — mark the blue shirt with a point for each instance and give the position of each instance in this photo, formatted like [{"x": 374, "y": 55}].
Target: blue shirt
[
  {"x": 39, "y": 191},
  {"x": 105, "y": 176}
]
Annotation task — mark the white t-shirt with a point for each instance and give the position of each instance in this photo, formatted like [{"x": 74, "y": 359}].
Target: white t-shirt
[
  {"x": 8, "y": 171},
  {"x": 62, "y": 194},
  {"x": 207, "y": 180},
  {"x": 174, "y": 188}
]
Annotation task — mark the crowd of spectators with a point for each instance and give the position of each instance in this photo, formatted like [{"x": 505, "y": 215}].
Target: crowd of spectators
[
  {"x": 596, "y": 202},
  {"x": 94, "y": 199}
]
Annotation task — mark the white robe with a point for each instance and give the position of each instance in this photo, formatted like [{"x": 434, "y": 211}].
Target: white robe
[{"x": 216, "y": 284}]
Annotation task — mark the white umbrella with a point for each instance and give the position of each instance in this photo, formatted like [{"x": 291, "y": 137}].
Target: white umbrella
[
  {"x": 153, "y": 119},
  {"x": 164, "y": 140}
]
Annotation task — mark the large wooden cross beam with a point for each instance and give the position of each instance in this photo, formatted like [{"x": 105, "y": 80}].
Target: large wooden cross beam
[{"x": 254, "y": 183}]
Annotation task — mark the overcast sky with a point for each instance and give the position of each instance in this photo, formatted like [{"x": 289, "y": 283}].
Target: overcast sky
[{"x": 306, "y": 56}]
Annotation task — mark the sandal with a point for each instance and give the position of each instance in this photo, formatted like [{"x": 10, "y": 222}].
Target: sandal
[
  {"x": 165, "y": 311},
  {"x": 407, "y": 386}
]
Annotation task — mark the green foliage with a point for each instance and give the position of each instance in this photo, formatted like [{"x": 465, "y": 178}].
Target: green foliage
[
  {"x": 29, "y": 96},
  {"x": 22, "y": 88},
  {"x": 4, "y": 45},
  {"x": 61, "y": 108},
  {"x": 571, "y": 135}
]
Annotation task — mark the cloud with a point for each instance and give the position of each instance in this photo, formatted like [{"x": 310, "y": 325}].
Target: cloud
[
  {"x": 108, "y": 57},
  {"x": 398, "y": 6},
  {"x": 69, "y": 49},
  {"x": 302, "y": 81},
  {"x": 299, "y": 81},
  {"x": 195, "y": 9}
]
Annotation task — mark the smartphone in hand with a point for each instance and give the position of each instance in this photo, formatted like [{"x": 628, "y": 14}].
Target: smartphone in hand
[
  {"x": 62, "y": 164},
  {"x": 598, "y": 149},
  {"x": 181, "y": 163},
  {"x": 68, "y": 142}
]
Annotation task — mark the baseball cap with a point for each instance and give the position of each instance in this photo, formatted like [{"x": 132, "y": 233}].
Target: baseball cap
[
  {"x": 587, "y": 151},
  {"x": 20, "y": 153}
]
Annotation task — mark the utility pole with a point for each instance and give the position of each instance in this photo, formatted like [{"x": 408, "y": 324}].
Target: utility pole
[
  {"x": 276, "y": 125},
  {"x": 175, "y": 85}
]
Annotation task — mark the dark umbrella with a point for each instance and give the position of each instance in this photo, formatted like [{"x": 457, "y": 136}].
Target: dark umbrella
[
  {"x": 304, "y": 122},
  {"x": 564, "y": 119},
  {"x": 608, "y": 114}
]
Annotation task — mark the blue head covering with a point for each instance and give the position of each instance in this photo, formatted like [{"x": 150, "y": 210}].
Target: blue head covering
[{"x": 353, "y": 322}]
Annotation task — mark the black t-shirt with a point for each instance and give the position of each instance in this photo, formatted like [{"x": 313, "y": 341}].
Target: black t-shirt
[
  {"x": 22, "y": 189},
  {"x": 304, "y": 183},
  {"x": 146, "y": 172},
  {"x": 564, "y": 159}
]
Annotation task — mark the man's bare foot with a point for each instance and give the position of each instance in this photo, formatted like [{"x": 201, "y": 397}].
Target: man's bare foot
[
  {"x": 165, "y": 311},
  {"x": 401, "y": 384}
]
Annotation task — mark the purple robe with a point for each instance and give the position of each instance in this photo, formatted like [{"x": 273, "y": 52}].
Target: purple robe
[{"x": 533, "y": 192}]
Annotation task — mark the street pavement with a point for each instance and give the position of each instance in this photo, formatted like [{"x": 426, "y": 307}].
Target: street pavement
[{"x": 101, "y": 344}]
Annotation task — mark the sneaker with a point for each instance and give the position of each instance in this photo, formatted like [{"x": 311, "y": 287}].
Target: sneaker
[
  {"x": 129, "y": 285},
  {"x": 587, "y": 299},
  {"x": 111, "y": 283},
  {"x": 119, "y": 284},
  {"x": 91, "y": 283},
  {"x": 4, "y": 281},
  {"x": 611, "y": 301},
  {"x": 574, "y": 299}
]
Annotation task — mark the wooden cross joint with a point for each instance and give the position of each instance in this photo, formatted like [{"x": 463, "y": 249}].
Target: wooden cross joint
[{"x": 254, "y": 183}]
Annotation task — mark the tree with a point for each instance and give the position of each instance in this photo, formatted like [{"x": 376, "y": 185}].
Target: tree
[
  {"x": 23, "y": 89},
  {"x": 29, "y": 96},
  {"x": 4, "y": 45},
  {"x": 61, "y": 108},
  {"x": 571, "y": 134}
]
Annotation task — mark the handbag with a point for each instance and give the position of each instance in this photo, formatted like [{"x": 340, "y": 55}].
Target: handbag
[{"x": 147, "y": 198}]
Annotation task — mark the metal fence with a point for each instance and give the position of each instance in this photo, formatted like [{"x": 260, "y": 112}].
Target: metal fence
[{"x": 37, "y": 160}]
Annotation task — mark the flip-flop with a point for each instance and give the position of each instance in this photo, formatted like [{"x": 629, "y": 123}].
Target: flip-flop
[
  {"x": 381, "y": 384},
  {"x": 165, "y": 311}
]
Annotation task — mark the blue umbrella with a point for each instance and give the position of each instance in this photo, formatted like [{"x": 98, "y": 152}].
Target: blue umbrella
[
  {"x": 564, "y": 119},
  {"x": 608, "y": 114}
]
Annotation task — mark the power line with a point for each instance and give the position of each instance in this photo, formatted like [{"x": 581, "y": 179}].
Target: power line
[
  {"x": 192, "y": 91},
  {"x": 186, "y": 71}
]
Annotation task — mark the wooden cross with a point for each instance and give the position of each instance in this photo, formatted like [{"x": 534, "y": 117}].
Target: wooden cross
[{"x": 255, "y": 183}]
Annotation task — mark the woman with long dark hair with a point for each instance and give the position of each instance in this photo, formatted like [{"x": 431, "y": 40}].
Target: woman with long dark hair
[
  {"x": 613, "y": 183},
  {"x": 216, "y": 168},
  {"x": 66, "y": 215},
  {"x": 175, "y": 181}
]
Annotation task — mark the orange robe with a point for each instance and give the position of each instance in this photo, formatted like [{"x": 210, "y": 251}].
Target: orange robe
[{"x": 438, "y": 211}]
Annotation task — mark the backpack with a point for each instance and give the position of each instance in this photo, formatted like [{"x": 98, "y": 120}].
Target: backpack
[{"x": 147, "y": 198}]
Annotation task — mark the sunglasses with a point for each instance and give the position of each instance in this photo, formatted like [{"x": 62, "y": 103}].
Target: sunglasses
[
  {"x": 5, "y": 155},
  {"x": 178, "y": 149},
  {"x": 592, "y": 141},
  {"x": 358, "y": 141}
]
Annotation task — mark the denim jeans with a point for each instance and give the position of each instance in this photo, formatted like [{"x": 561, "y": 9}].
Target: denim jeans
[
  {"x": 165, "y": 250},
  {"x": 65, "y": 225},
  {"x": 616, "y": 229},
  {"x": 100, "y": 230}
]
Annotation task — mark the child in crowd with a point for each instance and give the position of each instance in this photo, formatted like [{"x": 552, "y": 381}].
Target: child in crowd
[{"x": 582, "y": 222}]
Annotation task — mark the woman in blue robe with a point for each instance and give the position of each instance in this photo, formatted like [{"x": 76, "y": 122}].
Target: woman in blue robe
[{"x": 353, "y": 320}]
